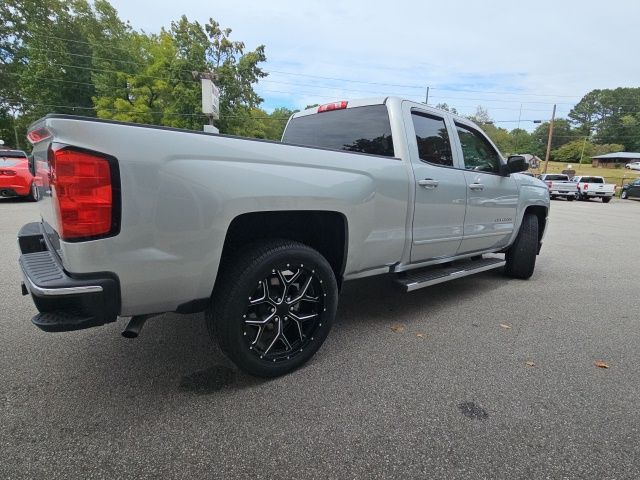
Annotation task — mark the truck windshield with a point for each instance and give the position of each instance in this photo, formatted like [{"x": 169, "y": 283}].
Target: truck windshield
[{"x": 361, "y": 129}]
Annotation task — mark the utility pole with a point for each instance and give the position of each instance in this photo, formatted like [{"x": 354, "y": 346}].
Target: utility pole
[
  {"x": 15, "y": 132},
  {"x": 584, "y": 144},
  {"x": 427, "y": 99},
  {"x": 546, "y": 157},
  {"x": 518, "y": 129}
]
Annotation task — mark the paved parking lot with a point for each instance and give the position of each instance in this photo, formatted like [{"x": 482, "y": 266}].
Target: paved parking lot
[{"x": 458, "y": 402}]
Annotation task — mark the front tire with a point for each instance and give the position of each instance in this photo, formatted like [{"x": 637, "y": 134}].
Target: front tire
[
  {"x": 273, "y": 306},
  {"x": 624, "y": 195},
  {"x": 606, "y": 199},
  {"x": 521, "y": 256},
  {"x": 571, "y": 198}
]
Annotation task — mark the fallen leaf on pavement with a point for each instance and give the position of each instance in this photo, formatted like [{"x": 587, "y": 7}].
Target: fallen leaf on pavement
[
  {"x": 601, "y": 364},
  {"x": 420, "y": 334},
  {"x": 398, "y": 328},
  {"x": 530, "y": 364},
  {"x": 505, "y": 326}
]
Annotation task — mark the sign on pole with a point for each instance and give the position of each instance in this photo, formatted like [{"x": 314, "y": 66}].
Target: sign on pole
[{"x": 210, "y": 99}]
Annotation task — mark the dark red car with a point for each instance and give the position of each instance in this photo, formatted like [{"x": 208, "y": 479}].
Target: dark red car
[{"x": 15, "y": 178}]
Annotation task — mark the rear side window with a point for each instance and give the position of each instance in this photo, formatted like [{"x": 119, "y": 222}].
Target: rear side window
[
  {"x": 361, "y": 129},
  {"x": 433, "y": 139},
  {"x": 478, "y": 153}
]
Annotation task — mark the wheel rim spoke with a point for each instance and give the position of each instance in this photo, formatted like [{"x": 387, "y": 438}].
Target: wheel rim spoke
[
  {"x": 275, "y": 338},
  {"x": 302, "y": 318},
  {"x": 285, "y": 340},
  {"x": 303, "y": 291},
  {"x": 283, "y": 313}
]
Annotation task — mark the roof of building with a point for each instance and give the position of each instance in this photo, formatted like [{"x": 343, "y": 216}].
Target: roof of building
[{"x": 625, "y": 155}]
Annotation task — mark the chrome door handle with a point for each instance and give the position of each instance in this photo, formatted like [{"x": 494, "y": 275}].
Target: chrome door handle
[
  {"x": 476, "y": 186},
  {"x": 428, "y": 183}
]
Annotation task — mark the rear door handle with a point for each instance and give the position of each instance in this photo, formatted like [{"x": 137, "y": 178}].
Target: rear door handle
[
  {"x": 428, "y": 183},
  {"x": 476, "y": 186}
]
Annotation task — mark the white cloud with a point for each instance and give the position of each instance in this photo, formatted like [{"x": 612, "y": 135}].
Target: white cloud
[{"x": 544, "y": 51}]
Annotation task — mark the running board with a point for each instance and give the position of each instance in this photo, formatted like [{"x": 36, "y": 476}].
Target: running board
[{"x": 413, "y": 280}]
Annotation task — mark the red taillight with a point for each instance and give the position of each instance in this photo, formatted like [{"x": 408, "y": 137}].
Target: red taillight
[
  {"x": 549, "y": 184},
  {"x": 82, "y": 190},
  {"x": 7, "y": 173},
  {"x": 585, "y": 186},
  {"x": 332, "y": 106},
  {"x": 38, "y": 135}
]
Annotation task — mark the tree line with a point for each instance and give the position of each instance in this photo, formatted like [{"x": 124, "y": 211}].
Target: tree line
[{"x": 78, "y": 57}]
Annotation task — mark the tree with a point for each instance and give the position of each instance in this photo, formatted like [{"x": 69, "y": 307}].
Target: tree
[
  {"x": 276, "y": 122},
  {"x": 562, "y": 133},
  {"x": 447, "y": 108},
  {"x": 577, "y": 150},
  {"x": 522, "y": 141},
  {"x": 156, "y": 84},
  {"x": 611, "y": 115},
  {"x": 481, "y": 116}
]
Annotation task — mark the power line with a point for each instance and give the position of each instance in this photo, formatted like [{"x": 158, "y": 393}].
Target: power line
[
  {"x": 159, "y": 112},
  {"x": 281, "y": 72}
]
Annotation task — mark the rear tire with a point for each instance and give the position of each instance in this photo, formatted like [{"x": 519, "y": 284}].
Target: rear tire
[
  {"x": 273, "y": 306},
  {"x": 571, "y": 198},
  {"x": 34, "y": 193},
  {"x": 624, "y": 195},
  {"x": 521, "y": 256}
]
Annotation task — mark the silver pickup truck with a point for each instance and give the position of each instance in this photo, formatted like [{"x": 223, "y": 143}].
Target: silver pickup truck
[
  {"x": 560, "y": 186},
  {"x": 139, "y": 220}
]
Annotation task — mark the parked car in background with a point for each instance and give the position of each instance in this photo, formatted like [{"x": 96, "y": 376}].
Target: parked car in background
[
  {"x": 15, "y": 178},
  {"x": 594, "y": 187},
  {"x": 633, "y": 166},
  {"x": 631, "y": 190},
  {"x": 560, "y": 186}
]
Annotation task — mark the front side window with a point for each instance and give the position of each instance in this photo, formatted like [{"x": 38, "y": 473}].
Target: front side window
[
  {"x": 433, "y": 139},
  {"x": 478, "y": 153},
  {"x": 361, "y": 129}
]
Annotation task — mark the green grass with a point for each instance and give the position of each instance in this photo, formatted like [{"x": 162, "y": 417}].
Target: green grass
[{"x": 611, "y": 175}]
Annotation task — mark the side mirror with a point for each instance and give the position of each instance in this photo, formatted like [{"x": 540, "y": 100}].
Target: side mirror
[{"x": 515, "y": 164}]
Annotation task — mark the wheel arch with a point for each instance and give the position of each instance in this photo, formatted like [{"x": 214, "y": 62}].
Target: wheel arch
[
  {"x": 541, "y": 213},
  {"x": 324, "y": 231}
]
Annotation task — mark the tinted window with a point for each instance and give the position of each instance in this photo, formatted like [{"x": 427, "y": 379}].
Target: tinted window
[
  {"x": 592, "y": 179},
  {"x": 360, "y": 129},
  {"x": 557, "y": 177},
  {"x": 433, "y": 139},
  {"x": 477, "y": 151},
  {"x": 12, "y": 154}
]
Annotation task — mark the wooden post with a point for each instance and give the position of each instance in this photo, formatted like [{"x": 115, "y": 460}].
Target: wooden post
[{"x": 546, "y": 158}]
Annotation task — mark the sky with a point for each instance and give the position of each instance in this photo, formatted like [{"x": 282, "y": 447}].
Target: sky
[{"x": 516, "y": 59}]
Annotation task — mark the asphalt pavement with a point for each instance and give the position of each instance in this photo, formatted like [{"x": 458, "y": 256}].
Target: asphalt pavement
[{"x": 500, "y": 383}]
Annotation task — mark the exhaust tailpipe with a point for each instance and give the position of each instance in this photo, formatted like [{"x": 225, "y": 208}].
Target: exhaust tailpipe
[{"x": 134, "y": 326}]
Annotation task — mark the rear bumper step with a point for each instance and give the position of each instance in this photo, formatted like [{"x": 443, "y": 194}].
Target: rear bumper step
[
  {"x": 65, "y": 301},
  {"x": 413, "y": 280}
]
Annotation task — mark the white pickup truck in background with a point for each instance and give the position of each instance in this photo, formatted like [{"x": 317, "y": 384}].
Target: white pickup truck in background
[
  {"x": 560, "y": 186},
  {"x": 592, "y": 187}
]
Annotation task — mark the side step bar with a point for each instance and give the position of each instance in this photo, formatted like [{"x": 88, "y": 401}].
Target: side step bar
[{"x": 415, "y": 279}]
